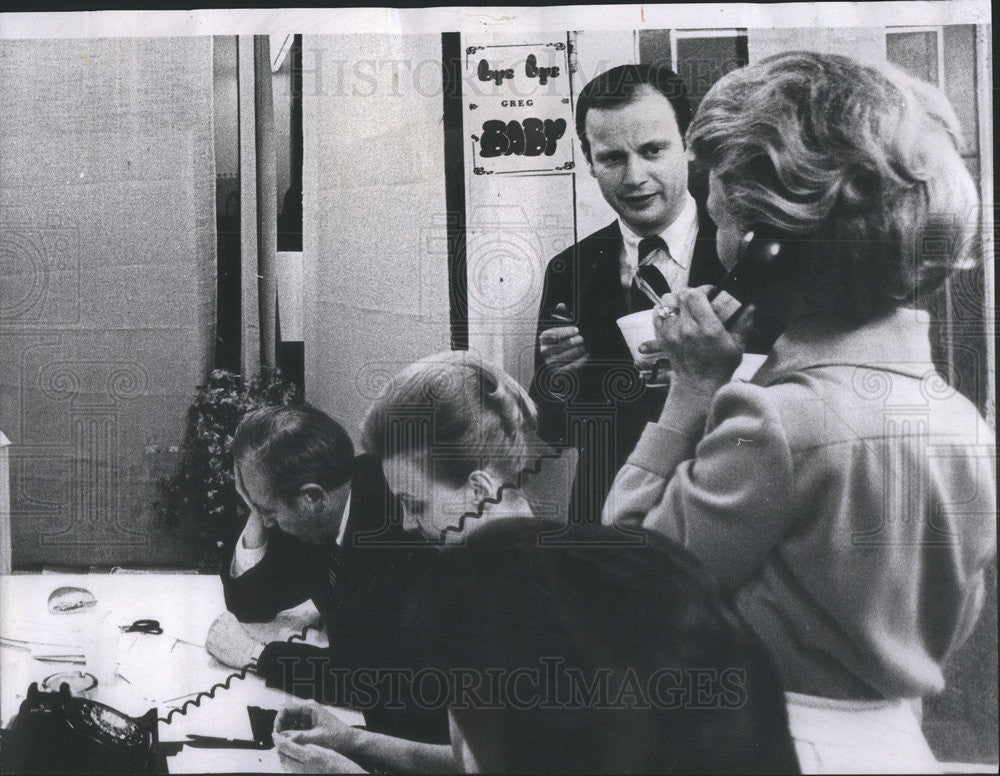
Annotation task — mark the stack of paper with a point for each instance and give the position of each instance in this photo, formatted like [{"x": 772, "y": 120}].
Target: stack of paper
[{"x": 61, "y": 642}]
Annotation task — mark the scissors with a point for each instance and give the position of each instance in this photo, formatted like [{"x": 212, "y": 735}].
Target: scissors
[{"x": 143, "y": 626}]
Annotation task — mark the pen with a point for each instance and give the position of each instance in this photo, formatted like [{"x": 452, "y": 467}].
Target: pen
[
  {"x": 645, "y": 288},
  {"x": 215, "y": 742}
]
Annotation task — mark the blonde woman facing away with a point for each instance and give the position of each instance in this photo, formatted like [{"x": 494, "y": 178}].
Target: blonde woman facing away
[{"x": 845, "y": 498}]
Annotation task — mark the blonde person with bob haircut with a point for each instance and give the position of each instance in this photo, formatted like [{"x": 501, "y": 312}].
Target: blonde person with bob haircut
[
  {"x": 845, "y": 497},
  {"x": 453, "y": 433}
]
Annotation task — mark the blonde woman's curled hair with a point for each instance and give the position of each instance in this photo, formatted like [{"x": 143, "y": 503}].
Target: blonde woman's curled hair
[
  {"x": 455, "y": 412},
  {"x": 861, "y": 162}
]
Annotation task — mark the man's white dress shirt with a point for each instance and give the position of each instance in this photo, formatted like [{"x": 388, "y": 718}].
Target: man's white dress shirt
[{"x": 680, "y": 238}]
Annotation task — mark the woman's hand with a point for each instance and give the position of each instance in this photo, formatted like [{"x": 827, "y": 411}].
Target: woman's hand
[
  {"x": 702, "y": 354},
  {"x": 311, "y": 739},
  {"x": 310, "y": 758},
  {"x": 310, "y": 723}
]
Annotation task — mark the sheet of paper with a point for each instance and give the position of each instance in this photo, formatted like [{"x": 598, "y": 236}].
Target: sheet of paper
[
  {"x": 45, "y": 630},
  {"x": 213, "y": 717},
  {"x": 190, "y": 760},
  {"x": 166, "y": 671}
]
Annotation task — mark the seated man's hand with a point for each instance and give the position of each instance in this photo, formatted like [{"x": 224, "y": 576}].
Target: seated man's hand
[
  {"x": 254, "y": 532},
  {"x": 562, "y": 347},
  {"x": 229, "y": 643},
  {"x": 310, "y": 758},
  {"x": 311, "y": 723}
]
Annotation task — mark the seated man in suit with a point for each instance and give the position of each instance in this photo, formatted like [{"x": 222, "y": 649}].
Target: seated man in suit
[
  {"x": 631, "y": 122},
  {"x": 317, "y": 528}
]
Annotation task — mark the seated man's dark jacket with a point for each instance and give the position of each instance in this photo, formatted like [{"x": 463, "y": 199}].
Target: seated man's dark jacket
[
  {"x": 586, "y": 277},
  {"x": 362, "y": 597}
]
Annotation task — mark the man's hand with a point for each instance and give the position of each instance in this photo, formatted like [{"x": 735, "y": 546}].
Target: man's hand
[
  {"x": 562, "y": 347},
  {"x": 229, "y": 643},
  {"x": 310, "y": 758},
  {"x": 254, "y": 532},
  {"x": 310, "y": 723}
]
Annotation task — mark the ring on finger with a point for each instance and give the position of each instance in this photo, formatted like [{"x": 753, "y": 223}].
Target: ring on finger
[{"x": 666, "y": 312}]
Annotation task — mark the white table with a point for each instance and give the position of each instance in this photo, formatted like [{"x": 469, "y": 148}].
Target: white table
[{"x": 153, "y": 671}]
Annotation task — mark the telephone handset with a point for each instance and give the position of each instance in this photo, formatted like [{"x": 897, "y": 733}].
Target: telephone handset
[
  {"x": 763, "y": 253},
  {"x": 55, "y": 732}
]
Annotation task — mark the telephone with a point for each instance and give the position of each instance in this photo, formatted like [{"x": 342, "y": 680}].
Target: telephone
[
  {"x": 54, "y": 732},
  {"x": 764, "y": 254}
]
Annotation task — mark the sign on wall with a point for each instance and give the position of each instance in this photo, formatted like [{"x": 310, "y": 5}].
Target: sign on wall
[{"x": 518, "y": 108}]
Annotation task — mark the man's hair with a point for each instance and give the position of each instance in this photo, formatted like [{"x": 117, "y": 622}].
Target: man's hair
[
  {"x": 626, "y": 83},
  {"x": 293, "y": 446},
  {"x": 610, "y": 613},
  {"x": 454, "y": 412},
  {"x": 860, "y": 165}
]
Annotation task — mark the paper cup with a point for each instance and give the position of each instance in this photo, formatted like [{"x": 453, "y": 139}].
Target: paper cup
[
  {"x": 636, "y": 329},
  {"x": 100, "y": 647}
]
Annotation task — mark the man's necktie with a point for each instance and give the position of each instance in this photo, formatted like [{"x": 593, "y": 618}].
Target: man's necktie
[
  {"x": 649, "y": 273},
  {"x": 336, "y": 577}
]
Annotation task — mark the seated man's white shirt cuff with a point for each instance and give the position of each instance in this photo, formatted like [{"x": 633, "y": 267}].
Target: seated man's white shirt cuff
[{"x": 245, "y": 558}]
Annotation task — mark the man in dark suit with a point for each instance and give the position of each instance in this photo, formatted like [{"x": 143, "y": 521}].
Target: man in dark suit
[
  {"x": 318, "y": 529},
  {"x": 631, "y": 122}
]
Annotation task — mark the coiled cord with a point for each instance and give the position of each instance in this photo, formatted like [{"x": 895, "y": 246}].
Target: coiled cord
[
  {"x": 525, "y": 474},
  {"x": 223, "y": 685}
]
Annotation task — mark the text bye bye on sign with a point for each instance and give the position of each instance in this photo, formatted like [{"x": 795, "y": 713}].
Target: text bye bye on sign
[{"x": 531, "y": 70}]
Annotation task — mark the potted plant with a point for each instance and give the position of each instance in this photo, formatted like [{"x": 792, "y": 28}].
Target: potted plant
[{"x": 201, "y": 493}]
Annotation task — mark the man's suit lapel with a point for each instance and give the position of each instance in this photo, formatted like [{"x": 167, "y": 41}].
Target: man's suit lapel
[
  {"x": 602, "y": 301},
  {"x": 360, "y": 516}
]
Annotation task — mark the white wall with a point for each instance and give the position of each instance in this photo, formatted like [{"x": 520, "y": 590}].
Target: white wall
[
  {"x": 225, "y": 106},
  {"x": 376, "y": 281},
  {"x": 107, "y": 285},
  {"x": 864, "y": 43}
]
